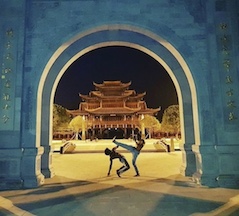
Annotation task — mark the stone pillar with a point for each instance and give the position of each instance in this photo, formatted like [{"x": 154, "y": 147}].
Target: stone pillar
[
  {"x": 31, "y": 167},
  {"x": 143, "y": 131},
  {"x": 10, "y": 163},
  {"x": 31, "y": 157},
  {"x": 172, "y": 148},
  {"x": 132, "y": 129},
  {"x": 45, "y": 139},
  {"x": 217, "y": 165},
  {"x": 125, "y": 132},
  {"x": 21, "y": 168},
  {"x": 188, "y": 164},
  {"x": 228, "y": 176},
  {"x": 46, "y": 162},
  {"x": 207, "y": 165},
  {"x": 83, "y": 137},
  {"x": 20, "y": 159}
]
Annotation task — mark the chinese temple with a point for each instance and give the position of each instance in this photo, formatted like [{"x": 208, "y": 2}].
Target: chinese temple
[{"x": 113, "y": 109}]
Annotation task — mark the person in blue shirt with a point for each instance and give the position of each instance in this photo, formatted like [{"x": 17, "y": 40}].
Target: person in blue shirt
[
  {"x": 114, "y": 155},
  {"x": 134, "y": 150}
]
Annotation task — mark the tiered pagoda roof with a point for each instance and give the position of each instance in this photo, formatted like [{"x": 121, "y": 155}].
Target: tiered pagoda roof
[
  {"x": 112, "y": 85},
  {"x": 113, "y": 97}
]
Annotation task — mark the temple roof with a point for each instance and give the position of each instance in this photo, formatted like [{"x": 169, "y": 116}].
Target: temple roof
[
  {"x": 76, "y": 112},
  {"x": 111, "y": 85},
  {"x": 150, "y": 111},
  {"x": 138, "y": 96},
  {"x": 100, "y": 95},
  {"x": 87, "y": 97},
  {"x": 95, "y": 95},
  {"x": 109, "y": 98},
  {"x": 111, "y": 110},
  {"x": 116, "y": 110}
]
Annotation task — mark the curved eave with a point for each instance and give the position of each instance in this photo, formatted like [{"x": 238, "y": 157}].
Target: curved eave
[
  {"x": 99, "y": 95},
  {"x": 87, "y": 97},
  {"x": 119, "y": 85},
  {"x": 150, "y": 111},
  {"x": 76, "y": 112},
  {"x": 138, "y": 96},
  {"x": 112, "y": 111}
]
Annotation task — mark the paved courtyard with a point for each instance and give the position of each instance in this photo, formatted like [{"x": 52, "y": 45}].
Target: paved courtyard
[{"x": 81, "y": 187}]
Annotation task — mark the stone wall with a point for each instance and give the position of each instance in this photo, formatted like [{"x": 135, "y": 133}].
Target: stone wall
[{"x": 203, "y": 39}]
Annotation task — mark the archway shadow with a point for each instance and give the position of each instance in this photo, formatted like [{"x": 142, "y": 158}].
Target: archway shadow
[{"x": 113, "y": 196}]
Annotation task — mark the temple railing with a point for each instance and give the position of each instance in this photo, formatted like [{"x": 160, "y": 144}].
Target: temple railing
[{"x": 114, "y": 124}]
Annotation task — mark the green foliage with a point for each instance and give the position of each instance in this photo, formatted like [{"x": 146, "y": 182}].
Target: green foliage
[
  {"x": 171, "y": 120},
  {"x": 150, "y": 122},
  {"x": 77, "y": 123},
  {"x": 61, "y": 118}
]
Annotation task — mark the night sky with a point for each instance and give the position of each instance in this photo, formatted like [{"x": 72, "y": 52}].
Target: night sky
[{"x": 117, "y": 63}]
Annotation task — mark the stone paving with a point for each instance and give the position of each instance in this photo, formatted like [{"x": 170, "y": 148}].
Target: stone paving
[{"x": 81, "y": 187}]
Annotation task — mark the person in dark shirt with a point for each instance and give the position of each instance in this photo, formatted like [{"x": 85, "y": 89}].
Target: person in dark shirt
[
  {"x": 134, "y": 150},
  {"x": 114, "y": 155}
]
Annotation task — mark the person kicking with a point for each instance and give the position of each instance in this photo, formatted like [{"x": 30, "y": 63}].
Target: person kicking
[
  {"x": 114, "y": 155},
  {"x": 134, "y": 150}
]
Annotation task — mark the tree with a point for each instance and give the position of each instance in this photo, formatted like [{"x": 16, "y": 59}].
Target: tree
[
  {"x": 171, "y": 120},
  {"x": 78, "y": 124},
  {"x": 61, "y": 118},
  {"x": 151, "y": 124}
]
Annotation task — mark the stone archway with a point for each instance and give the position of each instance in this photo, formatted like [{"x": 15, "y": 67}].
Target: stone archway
[{"x": 120, "y": 35}]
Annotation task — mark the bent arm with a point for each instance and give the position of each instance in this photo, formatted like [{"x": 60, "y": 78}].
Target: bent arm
[
  {"x": 111, "y": 162},
  {"x": 114, "y": 141},
  {"x": 115, "y": 148}
]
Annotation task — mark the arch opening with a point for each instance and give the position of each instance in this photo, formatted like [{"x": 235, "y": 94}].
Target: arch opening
[
  {"x": 116, "y": 63},
  {"x": 162, "y": 52}
]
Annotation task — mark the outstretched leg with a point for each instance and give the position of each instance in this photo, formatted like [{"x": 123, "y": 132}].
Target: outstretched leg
[
  {"x": 134, "y": 152},
  {"x": 125, "y": 146}
]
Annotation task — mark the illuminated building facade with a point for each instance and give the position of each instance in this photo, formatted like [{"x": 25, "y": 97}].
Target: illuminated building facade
[{"x": 113, "y": 109}]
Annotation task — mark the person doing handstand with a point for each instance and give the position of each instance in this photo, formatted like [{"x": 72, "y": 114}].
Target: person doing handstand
[
  {"x": 134, "y": 150},
  {"x": 114, "y": 155}
]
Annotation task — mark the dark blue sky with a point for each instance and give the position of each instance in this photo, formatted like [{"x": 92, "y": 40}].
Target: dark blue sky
[{"x": 117, "y": 63}]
